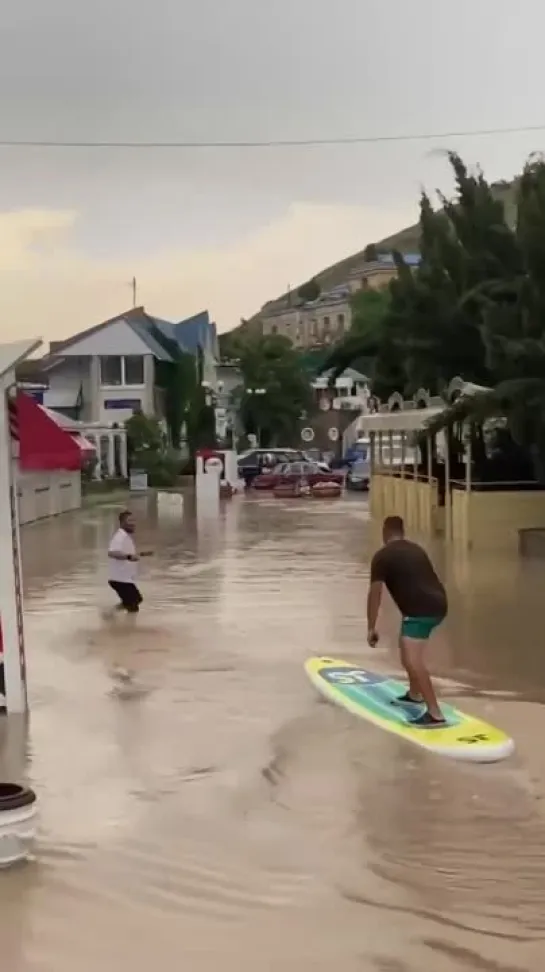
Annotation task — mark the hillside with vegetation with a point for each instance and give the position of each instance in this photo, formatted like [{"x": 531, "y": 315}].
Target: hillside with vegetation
[
  {"x": 474, "y": 308},
  {"x": 405, "y": 241}
]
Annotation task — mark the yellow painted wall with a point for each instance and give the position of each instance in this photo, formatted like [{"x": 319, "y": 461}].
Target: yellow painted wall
[
  {"x": 460, "y": 500},
  {"x": 413, "y": 500},
  {"x": 479, "y": 519},
  {"x": 493, "y": 519}
]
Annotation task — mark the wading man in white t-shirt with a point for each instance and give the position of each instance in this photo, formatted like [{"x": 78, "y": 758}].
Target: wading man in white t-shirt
[{"x": 122, "y": 561}]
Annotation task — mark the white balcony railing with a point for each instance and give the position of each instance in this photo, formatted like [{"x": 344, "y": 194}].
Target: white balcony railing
[{"x": 354, "y": 403}]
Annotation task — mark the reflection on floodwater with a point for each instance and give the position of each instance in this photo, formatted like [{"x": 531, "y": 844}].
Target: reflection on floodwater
[{"x": 214, "y": 814}]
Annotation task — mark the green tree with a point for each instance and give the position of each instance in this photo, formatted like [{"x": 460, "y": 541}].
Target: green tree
[
  {"x": 177, "y": 379},
  {"x": 512, "y": 311},
  {"x": 371, "y": 254},
  {"x": 432, "y": 328},
  {"x": 201, "y": 421},
  {"x": 188, "y": 403},
  {"x": 465, "y": 246},
  {"x": 368, "y": 347},
  {"x": 144, "y": 435},
  {"x": 232, "y": 342},
  {"x": 275, "y": 389},
  {"x": 147, "y": 450},
  {"x": 369, "y": 309},
  {"x": 309, "y": 291}
]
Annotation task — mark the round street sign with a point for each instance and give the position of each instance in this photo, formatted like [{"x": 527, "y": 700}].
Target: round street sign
[
  {"x": 213, "y": 463},
  {"x": 307, "y": 435}
]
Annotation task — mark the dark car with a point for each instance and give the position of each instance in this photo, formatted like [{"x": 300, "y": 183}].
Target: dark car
[
  {"x": 252, "y": 464},
  {"x": 357, "y": 477},
  {"x": 294, "y": 472}
]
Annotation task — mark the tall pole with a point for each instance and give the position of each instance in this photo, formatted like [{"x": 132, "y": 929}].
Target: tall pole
[
  {"x": 133, "y": 285},
  {"x": 11, "y": 598}
]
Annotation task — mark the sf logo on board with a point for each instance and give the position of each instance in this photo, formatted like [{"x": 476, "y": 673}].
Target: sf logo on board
[{"x": 351, "y": 676}]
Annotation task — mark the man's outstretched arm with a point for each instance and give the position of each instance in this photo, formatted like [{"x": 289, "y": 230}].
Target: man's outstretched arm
[{"x": 374, "y": 598}]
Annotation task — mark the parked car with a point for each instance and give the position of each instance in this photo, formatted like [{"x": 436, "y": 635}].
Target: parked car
[
  {"x": 269, "y": 478},
  {"x": 358, "y": 450},
  {"x": 253, "y": 463},
  {"x": 357, "y": 477},
  {"x": 291, "y": 472}
]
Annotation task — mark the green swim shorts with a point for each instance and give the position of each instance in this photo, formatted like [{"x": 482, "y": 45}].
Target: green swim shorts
[{"x": 419, "y": 628}]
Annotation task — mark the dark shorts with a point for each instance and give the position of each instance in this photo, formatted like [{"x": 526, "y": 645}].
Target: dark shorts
[
  {"x": 128, "y": 594},
  {"x": 419, "y": 628}
]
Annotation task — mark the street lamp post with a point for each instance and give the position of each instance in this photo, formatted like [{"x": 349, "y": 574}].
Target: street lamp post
[{"x": 257, "y": 391}]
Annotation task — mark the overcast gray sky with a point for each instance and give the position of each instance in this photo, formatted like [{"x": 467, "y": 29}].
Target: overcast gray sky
[{"x": 229, "y": 229}]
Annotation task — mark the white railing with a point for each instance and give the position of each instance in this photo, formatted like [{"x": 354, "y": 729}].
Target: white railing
[{"x": 352, "y": 402}]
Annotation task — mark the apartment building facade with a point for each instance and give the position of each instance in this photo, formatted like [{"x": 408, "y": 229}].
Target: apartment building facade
[{"x": 327, "y": 319}]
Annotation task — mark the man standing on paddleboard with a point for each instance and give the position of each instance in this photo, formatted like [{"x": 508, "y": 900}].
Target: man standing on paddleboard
[
  {"x": 123, "y": 561},
  {"x": 406, "y": 571}
]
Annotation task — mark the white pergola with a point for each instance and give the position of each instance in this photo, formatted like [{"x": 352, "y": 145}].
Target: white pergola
[
  {"x": 389, "y": 429},
  {"x": 96, "y": 434},
  {"x": 11, "y": 586},
  {"x": 390, "y": 433},
  {"x": 411, "y": 420},
  {"x": 405, "y": 421}
]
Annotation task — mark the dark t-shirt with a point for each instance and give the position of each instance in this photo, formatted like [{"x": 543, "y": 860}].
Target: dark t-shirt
[{"x": 410, "y": 578}]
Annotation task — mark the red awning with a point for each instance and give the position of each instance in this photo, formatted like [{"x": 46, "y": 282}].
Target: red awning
[
  {"x": 87, "y": 449},
  {"x": 43, "y": 445}
]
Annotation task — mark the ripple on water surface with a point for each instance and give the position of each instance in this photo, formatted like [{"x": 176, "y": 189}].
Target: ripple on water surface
[{"x": 217, "y": 813}]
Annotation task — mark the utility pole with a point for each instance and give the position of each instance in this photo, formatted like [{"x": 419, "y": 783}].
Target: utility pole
[{"x": 133, "y": 285}]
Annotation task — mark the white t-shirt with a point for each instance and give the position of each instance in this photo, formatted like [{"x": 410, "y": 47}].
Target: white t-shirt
[{"x": 122, "y": 571}]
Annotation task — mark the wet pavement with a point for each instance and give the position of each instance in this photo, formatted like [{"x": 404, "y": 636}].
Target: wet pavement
[{"x": 217, "y": 815}]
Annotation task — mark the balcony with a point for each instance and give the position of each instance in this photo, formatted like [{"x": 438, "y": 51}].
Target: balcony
[{"x": 353, "y": 403}]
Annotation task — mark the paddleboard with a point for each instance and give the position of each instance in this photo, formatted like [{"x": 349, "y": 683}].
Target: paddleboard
[{"x": 370, "y": 696}]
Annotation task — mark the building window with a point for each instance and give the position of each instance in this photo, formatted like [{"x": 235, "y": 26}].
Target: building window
[
  {"x": 111, "y": 370},
  {"x": 365, "y": 285},
  {"x": 326, "y": 324},
  {"x": 118, "y": 370},
  {"x": 274, "y": 329},
  {"x": 134, "y": 369},
  {"x": 340, "y": 322}
]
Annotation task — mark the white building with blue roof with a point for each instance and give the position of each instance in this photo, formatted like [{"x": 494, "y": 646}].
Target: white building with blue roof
[{"x": 107, "y": 372}]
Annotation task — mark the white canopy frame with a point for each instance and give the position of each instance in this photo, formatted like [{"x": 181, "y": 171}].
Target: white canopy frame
[
  {"x": 384, "y": 430},
  {"x": 11, "y": 586}
]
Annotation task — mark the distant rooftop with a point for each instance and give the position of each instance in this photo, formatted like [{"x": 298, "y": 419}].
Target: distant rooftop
[
  {"x": 188, "y": 335},
  {"x": 192, "y": 333},
  {"x": 348, "y": 375},
  {"x": 341, "y": 292},
  {"x": 385, "y": 262}
]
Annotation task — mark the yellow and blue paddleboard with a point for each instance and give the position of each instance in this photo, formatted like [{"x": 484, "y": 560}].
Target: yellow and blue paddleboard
[{"x": 371, "y": 696}]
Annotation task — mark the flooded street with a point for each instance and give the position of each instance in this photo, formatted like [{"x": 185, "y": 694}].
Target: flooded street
[{"x": 217, "y": 815}]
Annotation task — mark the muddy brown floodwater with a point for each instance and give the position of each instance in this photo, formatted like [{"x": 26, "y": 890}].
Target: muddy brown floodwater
[{"x": 216, "y": 815}]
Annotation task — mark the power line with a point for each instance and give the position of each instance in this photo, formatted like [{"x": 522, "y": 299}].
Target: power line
[{"x": 270, "y": 143}]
